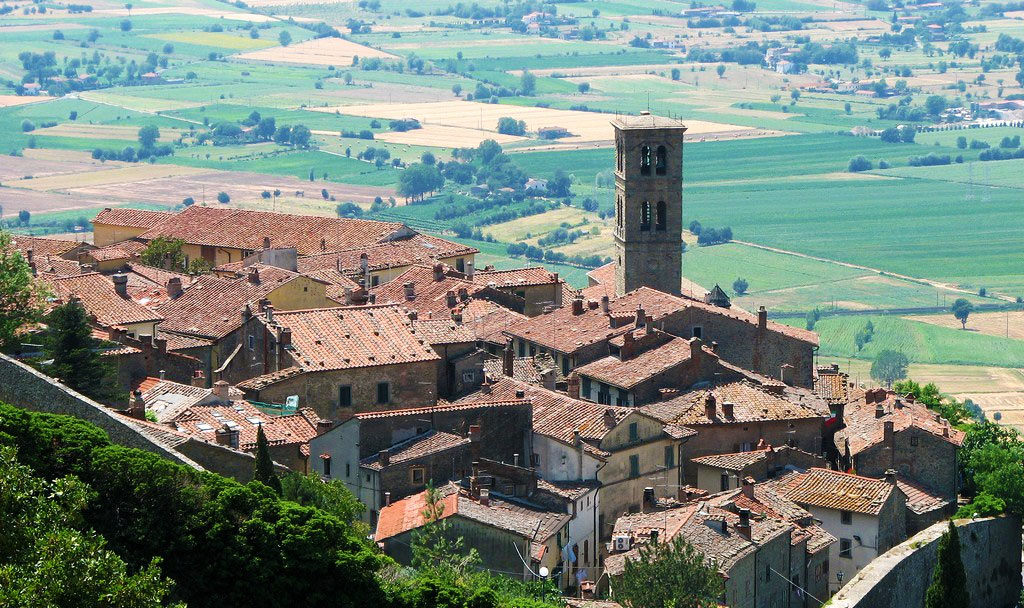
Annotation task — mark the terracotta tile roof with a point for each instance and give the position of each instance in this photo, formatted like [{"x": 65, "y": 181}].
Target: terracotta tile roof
[
  {"x": 521, "y": 518},
  {"x": 203, "y": 420},
  {"x": 569, "y": 490},
  {"x": 99, "y": 298},
  {"x": 835, "y": 490},
  {"x": 337, "y": 283},
  {"x": 766, "y": 502},
  {"x": 441, "y": 331},
  {"x": 488, "y": 320},
  {"x": 260, "y": 382},
  {"x": 751, "y": 403},
  {"x": 211, "y": 306},
  {"x": 831, "y": 384},
  {"x": 524, "y": 369},
  {"x": 246, "y": 230},
  {"x": 864, "y": 429},
  {"x": 518, "y": 277},
  {"x": 135, "y": 218},
  {"x": 732, "y": 462},
  {"x": 557, "y": 415},
  {"x": 430, "y": 299},
  {"x": 166, "y": 399},
  {"x": 565, "y": 332},
  {"x": 110, "y": 252},
  {"x": 441, "y": 407},
  {"x": 418, "y": 249},
  {"x": 52, "y": 266},
  {"x": 603, "y": 275},
  {"x": 425, "y": 444},
  {"x": 176, "y": 342},
  {"x": 919, "y": 499},
  {"x": 633, "y": 371},
  {"x": 351, "y": 337},
  {"x": 155, "y": 276},
  {"x": 42, "y": 246}
]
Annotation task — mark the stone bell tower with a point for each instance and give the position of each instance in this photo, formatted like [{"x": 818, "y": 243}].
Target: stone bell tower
[{"x": 648, "y": 203}]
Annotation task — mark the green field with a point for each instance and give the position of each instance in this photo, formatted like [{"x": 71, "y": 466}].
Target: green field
[{"x": 920, "y": 342}]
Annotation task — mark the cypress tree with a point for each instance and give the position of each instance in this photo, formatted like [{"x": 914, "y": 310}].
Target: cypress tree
[
  {"x": 264, "y": 468},
  {"x": 949, "y": 579}
]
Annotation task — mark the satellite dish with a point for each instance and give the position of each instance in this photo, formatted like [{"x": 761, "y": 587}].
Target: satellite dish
[{"x": 543, "y": 572}]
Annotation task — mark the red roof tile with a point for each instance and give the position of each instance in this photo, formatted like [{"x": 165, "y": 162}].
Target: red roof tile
[
  {"x": 865, "y": 429},
  {"x": 430, "y": 295},
  {"x": 42, "y": 246},
  {"x": 431, "y": 442},
  {"x": 836, "y": 490},
  {"x": 516, "y": 277},
  {"x": 633, "y": 371},
  {"x": 134, "y": 218},
  {"x": 751, "y": 403},
  {"x": 97, "y": 294}
]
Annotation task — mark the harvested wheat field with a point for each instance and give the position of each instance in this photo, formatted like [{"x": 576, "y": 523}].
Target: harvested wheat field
[
  {"x": 120, "y": 132},
  {"x": 584, "y": 126},
  {"x": 39, "y": 165},
  {"x": 186, "y": 10},
  {"x": 240, "y": 186},
  {"x": 7, "y": 101},
  {"x": 1008, "y": 324},
  {"x": 113, "y": 177},
  {"x": 445, "y": 136},
  {"x": 319, "y": 51}
]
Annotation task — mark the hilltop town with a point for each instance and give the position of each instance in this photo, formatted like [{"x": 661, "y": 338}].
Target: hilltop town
[{"x": 557, "y": 431}]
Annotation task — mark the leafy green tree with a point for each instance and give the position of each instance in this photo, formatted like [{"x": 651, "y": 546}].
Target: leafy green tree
[
  {"x": 223, "y": 198},
  {"x": 21, "y": 296},
  {"x": 348, "y": 210},
  {"x": 527, "y": 83},
  {"x": 435, "y": 550},
  {"x": 889, "y": 366},
  {"x": 76, "y": 362},
  {"x": 330, "y": 496},
  {"x": 148, "y": 135},
  {"x": 669, "y": 575},
  {"x": 24, "y": 217},
  {"x": 935, "y": 104},
  {"x": 263, "y": 469},
  {"x": 47, "y": 560},
  {"x": 164, "y": 252},
  {"x": 859, "y": 163},
  {"x": 949, "y": 579},
  {"x": 300, "y": 136},
  {"x": 720, "y": 70},
  {"x": 126, "y": 25},
  {"x": 418, "y": 179},
  {"x": 740, "y": 286},
  {"x": 284, "y": 38},
  {"x": 962, "y": 309}
]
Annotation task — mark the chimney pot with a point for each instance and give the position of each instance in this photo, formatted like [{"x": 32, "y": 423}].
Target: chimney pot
[
  {"x": 323, "y": 425},
  {"x": 384, "y": 457},
  {"x": 469, "y": 270},
  {"x": 573, "y": 386},
  {"x": 438, "y": 272},
  {"x": 709, "y": 406},
  {"x": 879, "y": 411},
  {"x": 748, "y": 487},
  {"x": 163, "y": 375},
  {"x": 605, "y": 303},
  {"x": 641, "y": 317},
  {"x": 254, "y": 276},
  {"x": 485, "y": 497},
  {"x": 450, "y": 298},
  {"x": 387, "y": 499},
  {"x": 198, "y": 380},
  {"x": 762, "y": 318},
  {"x": 174, "y": 287},
  {"x": 577, "y": 305},
  {"x": 786, "y": 374},
  {"x": 890, "y": 476},
  {"x": 220, "y": 391},
  {"x": 727, "y": 409},
  {"x": 508, "y": 360},
  {"x": 121, "y": 284},
  {"x": 266, "y": 242}
]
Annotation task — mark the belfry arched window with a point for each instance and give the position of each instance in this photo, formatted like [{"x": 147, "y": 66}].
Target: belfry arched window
[
  {"x": 645, "y": 160},
  {"x": 619, "y": 155},
  {"x": 661, "y": 161},
  {"x": 645, "y": 216},
  {"x": 660, "y": 219},
  {"x": 618, "y": 212}
]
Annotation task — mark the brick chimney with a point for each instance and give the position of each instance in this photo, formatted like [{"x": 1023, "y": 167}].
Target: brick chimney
[
  {"x": 727, "y": 409},
  {"x": 709, "y": 405},
  {"x": 508, "y": 360},
  {"x": 387, "y": 499},
  {"x": 463, "y": 294},
  {"x": 451, "y": 299},
  {"x": 474, "y": 433},
  {"x": 605, "y": 303},
  {"x": 121, "y": 284},
  {"x": 138, "y": 407},
  {"x": 628, "y": 346},
  {"x": 573, "y": 386},
  {"x": 762, "y": 318},
  {"x": 254, "y": 276},
  {"x": 438, "y": 272},
  {"x": 786, "y": 374},
  {"x": 284, "y": 337},
  {"x": 748, "y": 487},
  {"x": 641, "y": 317},
  {"x": 221, "y": 391},
  {"x": 266, "y": 242},
  {"x": 879, "y": 411},
  {"x": 695, "y": 350},
  {"x": 469, "y": 270},
  {"x": 743, "y": 526},
  {"x": 485, "y": 497},
  {"x": 887, "y": 431},
  {"x": 174, "y": 287},
  {"x": 547, "y": 378},
  {"x": 384, "y": 457},
  {"x": 227, "y": 436},
  {"x": 410, "y": 290},
  {"x": 577, "y": 305},
  {"x": 269, "y": 312},
  {"x": 323, "y": 425},
  {"x": 890, "y": 476},
  {"x": 198, "y": 380},
  {"x": 648, "y": 325},
  {"x": 160, "y": 344}
]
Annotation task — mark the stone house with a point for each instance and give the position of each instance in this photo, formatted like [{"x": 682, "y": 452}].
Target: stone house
[
  {"x": 216, "y": 319},
  {"x": 736, "y": 416},
  {"x": 539, "y": 288},
  {"x": 381, "y": 263},
  {"x": 420, "y": 445},
  {"x": 341, "y": 361},
  {"x": 511, "y": 534},
  {"x": 867, "y": 515},
  {"x": 883, "y": 430},
  {"x": 225, "y": 235},
  {"x": 751, "y": 553},
  {"x": 460, "y": 368},
  {"x": 107, "y": 302},
  {"x": 721, "y": 472},
  {"x": 623, "y": 449}
]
